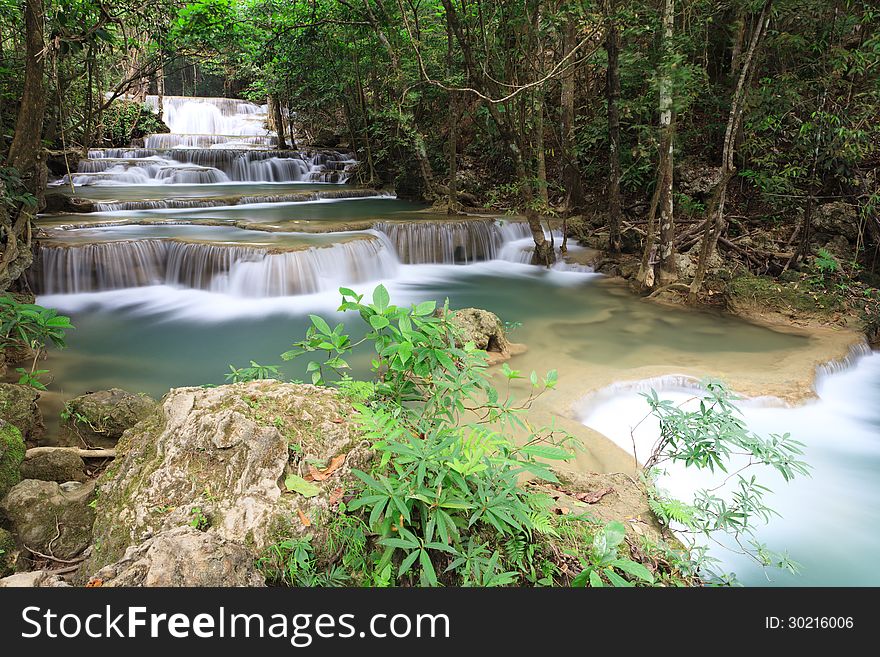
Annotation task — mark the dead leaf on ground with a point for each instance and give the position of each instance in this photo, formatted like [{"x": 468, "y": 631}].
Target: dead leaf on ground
[
  {"x": 302, "y": 516},
  {"x": 593, "y": 497},
  {"x": 315, "y": 474}
]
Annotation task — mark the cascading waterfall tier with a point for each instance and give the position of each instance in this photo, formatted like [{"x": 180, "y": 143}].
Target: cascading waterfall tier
[
  {"x": 205, "y": 166},
  {"x": 186, "y": 203},
  {"x": 451, "y": 242},
  {"x": 231, "y": 269},
  {"x": 212, "y": 140}
]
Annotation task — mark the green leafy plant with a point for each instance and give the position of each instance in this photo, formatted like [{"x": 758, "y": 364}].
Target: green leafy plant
[
  {"x": 441, "y": 476},
  {"x": 33, "y": 327},
  {"x": 714, "y": 437},
  {"x": 198, "y": 520},
  {"x": 825, "y": 265},
  {"x": 255, "y": 372},
  {"x": 603, "y": 562},
  {"x": 31, "y": 378}
]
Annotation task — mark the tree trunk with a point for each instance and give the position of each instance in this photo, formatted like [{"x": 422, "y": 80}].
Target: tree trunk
[
  {"x": 540, "y": 158},
  {"x": 25, "y": 153},
  {"x": 279, "y": 122},
  {"x": 715, "y": 223},
  {"x": 160, "y": 91},
  {"x": 612, "y": 91},
  {"x": 667, "y": 270}
]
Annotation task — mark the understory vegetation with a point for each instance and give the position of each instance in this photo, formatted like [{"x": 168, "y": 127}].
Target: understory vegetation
[{"x": 446, "y": 500}]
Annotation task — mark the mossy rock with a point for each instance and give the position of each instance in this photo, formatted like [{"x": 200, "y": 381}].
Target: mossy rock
[
  {"x": 59, "y": 466},
  {"x": 12, "y": 450},
  {"x": 98, "y": 419},
  {"x": 8, "y": 553},
  {"x": 18, "y": 406},
  {"x": 50, "y": 519}
]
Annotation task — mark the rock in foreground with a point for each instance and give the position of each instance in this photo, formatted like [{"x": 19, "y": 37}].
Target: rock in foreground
[
  {"x": 49, "y": 519},
  {"x": 182, "y": 557},
  {"x": 218, "y": 458}
]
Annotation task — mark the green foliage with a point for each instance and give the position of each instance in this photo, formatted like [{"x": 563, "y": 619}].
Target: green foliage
[
  {"x": 603, "y": 564},
  {"x": 125, "y": 120},
  {"x": 31, "y": 378},
  {"x": 30, "y": 325},
  {"x": 255, "y": 372},
  {"x": 825, "y": 264},
  {"x": 292, "y": 562},
  {"x": 714, "y": 437},
  {"x": 198, "y": 520},
  {"x": 12, "y": 191},
  {"x": 441, "y": 477}
]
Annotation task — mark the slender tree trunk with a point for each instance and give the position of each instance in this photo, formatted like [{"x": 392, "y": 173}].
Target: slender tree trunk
[
  {"x": 25, "y": 152},
  {"x": 612, "y": 91},
  {"x": 715, "y": 222},
  {"x": 571, "y": 175},
  {"x": 452, "y": 143},
  {"x": 667, "y": 271},
  {"x": 540, "y": 156},
  {"x": 160, "y": 91},
  {"x": 279, "y": 121}
]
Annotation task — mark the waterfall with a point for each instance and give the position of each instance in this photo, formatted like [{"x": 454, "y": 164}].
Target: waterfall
[
  {"x": 210, "y": 165},
  {"x": 451, "y": 242},
  {"x": 239, "y": 270},
  {"x": 212, "y": 140}
]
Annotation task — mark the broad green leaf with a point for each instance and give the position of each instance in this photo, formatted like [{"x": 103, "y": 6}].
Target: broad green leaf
[{"x": 297, "y": 484}]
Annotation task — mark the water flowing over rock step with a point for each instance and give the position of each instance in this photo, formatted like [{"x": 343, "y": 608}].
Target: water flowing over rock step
[
  {"x": 254, "y": 264},
  {"x": 77, "y": 204},
  {"x": 209, "y": 166}
]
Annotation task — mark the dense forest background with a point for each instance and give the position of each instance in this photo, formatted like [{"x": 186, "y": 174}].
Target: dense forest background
[{"x": 652, "y": 127}]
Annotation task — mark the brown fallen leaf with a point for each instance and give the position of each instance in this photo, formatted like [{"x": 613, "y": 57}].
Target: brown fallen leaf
[
  {"x": 302, "y": 516},
  {"x": 595, "y": 496},
  {"x": 315, "y": 475},
  {"x": 320, "y": 475},
  {"x": 337, "y": 420}
]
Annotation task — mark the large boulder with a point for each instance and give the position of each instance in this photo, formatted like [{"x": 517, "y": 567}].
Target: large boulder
[
  {"x": 18, "y": 406},
  {"x": 98, "y": 419},
  {"x": 12, "y": 450},
  {"x": 49, "y": 519},
  {"x": 219, "y": 458},
  {"x": 836, "y": 218},
  {"x": 182, "y": 557},
  {"x": 59, "y": 465}
]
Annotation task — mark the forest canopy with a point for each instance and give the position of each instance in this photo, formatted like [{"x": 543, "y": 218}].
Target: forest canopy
[{"x": 667, "y": 125}]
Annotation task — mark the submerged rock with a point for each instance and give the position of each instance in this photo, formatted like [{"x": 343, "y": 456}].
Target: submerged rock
[
  {"x": 18, "y": 406},
  {"x": 49, "y": 519},
  {"x": 60, "y": 466},
  {"x": 12, "y": 449},
  {"x": 218, "y": 458},
  {"x": 98, "y": 419},
  {"x": 182, "y": 557}
]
